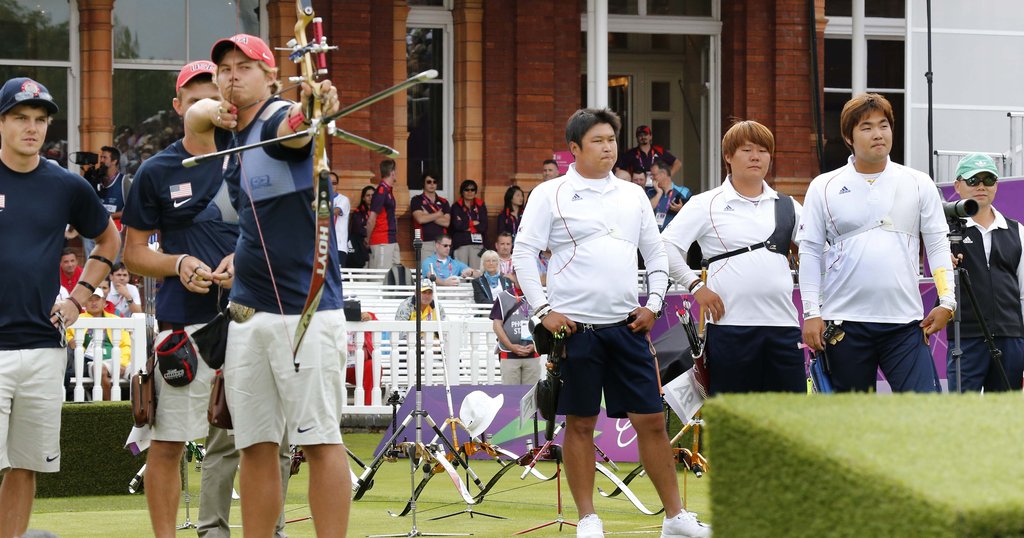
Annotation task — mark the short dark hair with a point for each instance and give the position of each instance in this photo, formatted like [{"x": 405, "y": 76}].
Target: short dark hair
[
  {"x": 442, "y": 237},
  {"x": 585, "y": 118},
  {"x": 68, "y": 250},
  {"x": 117, "y": 267},
  {"x": 550, "y": 161},
  {"x": 468, "y": 183},
  {"x": 115, "y": 154},
  {"x": 505, "y": 234},
  {"x": 660, "y": 163},
  {"x": 387, "y": 167}
]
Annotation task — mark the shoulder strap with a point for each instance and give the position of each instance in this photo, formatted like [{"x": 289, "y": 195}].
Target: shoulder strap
[{"x": 778, "y": 241}]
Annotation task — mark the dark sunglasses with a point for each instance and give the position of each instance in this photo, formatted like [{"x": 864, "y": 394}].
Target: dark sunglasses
[
  {"x": 988, "y": 180},
  {"x": 429, "y": 181},
  {"x": 469, "y": 189}
]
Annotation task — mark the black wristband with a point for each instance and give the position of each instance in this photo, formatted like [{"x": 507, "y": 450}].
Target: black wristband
[
  {"x": 102, "y": 259},
  {"x": 87, "y": 285}
]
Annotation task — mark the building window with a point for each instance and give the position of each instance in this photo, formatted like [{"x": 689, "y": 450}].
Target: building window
[
  {"x": 872, "y": 8},
  {"x": 36, "y": 44},
  {"x": 430, "y": 104},
  {"x": 152, "y": 40},
  {"x": 885, "y": 75}
]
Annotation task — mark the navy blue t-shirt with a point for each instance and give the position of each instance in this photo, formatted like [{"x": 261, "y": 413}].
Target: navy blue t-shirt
[
  {"x": 113, "y": 196},
  {"x": 180, "y": 202},
  {"x": 35, "y": 208},
  {"x": 286, "y": 224}
]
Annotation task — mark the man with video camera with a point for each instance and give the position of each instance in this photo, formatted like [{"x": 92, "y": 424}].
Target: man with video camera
[
  {"x": 103, "y": 172},
  {"x": 991, "y": 253}
]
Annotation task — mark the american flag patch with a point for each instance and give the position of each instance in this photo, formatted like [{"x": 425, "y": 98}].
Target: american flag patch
[{"x": 183, "y": 190}]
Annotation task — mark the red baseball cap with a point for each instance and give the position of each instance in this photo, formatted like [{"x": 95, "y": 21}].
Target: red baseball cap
[
  {"x": 643, "y": 129},
  {"x": 250, "y": 45},
  {"x": 192, "y": 71}
]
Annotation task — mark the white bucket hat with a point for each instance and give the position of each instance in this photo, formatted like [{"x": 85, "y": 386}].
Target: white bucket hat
[{"x": 478, "y": 411}]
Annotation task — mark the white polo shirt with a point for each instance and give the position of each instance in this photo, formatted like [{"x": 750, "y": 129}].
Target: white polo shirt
[
  {"x": 593, "y": 228},
  {"x": 756, "y": 287},
  {"x": 871, "y": 276}
]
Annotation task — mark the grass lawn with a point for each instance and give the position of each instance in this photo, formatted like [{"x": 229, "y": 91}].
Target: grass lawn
[{"x": 526, "y": 503}]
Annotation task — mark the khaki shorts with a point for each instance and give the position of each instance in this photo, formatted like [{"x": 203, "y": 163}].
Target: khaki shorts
[
  {"x": 267, "y": 396},
  {"x": 31, "y": 395},
  {"x": 181, "y": 411}
]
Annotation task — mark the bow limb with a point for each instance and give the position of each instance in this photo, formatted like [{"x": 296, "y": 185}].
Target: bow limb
[{"x": 321, "y": 171}]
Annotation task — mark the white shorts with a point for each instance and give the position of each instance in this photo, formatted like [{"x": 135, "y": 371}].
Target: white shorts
[
  {"x": 31, "y": 395},
  {"x": 181, "y": 411},
  {"x": 267, "y": 396}
]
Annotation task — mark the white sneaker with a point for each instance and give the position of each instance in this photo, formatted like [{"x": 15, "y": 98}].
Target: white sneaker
[
  {"x": 590, "y": 527},
  {"x": 684, "y": 525}
]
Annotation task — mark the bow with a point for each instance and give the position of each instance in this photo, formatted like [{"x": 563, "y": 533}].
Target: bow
[{"x": 302, "y": 53}]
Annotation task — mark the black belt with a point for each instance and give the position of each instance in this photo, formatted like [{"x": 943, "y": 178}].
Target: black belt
[
  {"x": 167, "y": 326},
  {"x": 599, "y": 326}
]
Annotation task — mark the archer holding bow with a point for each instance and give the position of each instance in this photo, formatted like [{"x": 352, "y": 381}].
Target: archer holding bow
[{"x": 279, "y": 378}]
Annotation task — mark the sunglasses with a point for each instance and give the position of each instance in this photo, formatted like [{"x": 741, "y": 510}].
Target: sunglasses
[
  {"x": 429, "y": 181},
  {"x": 469, "y": 189},
  {"x": 974, "y": 181}
]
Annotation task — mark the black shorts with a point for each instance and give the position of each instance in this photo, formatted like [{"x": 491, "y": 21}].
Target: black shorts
[{"x": 616, "y": 360}]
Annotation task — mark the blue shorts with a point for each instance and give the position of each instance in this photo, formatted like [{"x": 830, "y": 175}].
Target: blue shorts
[
  {"x": 898, "y": 349},
  {"x": 616, "y": 360},
  {"x": 755, "y": 359}
]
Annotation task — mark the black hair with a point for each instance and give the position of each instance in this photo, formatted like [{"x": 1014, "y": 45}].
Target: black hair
[
  {"x": 468, "y": 183},
  {"x": 586, "y": 118},
  {"x": 115, "y": 154},
  {"x": 550, "y": 161},
  {"x": 510, "y": 193},
  {"x": 362, "y": 194}
]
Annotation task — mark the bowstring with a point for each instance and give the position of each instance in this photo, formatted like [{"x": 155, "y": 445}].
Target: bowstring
[{"x": 244, "y": 181}]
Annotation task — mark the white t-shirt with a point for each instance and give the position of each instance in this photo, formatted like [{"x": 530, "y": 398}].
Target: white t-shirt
[
  {"x": 341, "y": 221},
  {"x": 870, "y": 270},
  {"x": 593, "y": 228},
  {"x": 757, "y": 286},
  {"x": 121, "y": 306}
]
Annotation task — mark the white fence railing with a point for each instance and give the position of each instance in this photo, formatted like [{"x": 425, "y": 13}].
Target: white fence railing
[
  {"x": 947, "y": 161},
  {"x": 462, "y": 348},
  {"x": 136, "y": 327}
]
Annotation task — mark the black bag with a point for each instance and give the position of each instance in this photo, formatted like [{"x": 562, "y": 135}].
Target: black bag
[
  {"x": 212, "y": 341},
  {"x": 353, "y": 310},
  {"x": 177, "y": 359}
]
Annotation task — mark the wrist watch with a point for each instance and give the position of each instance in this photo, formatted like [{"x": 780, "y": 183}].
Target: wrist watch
[{"x": 538, "y": 317}]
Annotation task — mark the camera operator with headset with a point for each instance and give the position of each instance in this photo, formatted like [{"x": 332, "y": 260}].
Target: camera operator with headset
[{"x": 991, "y": 253}]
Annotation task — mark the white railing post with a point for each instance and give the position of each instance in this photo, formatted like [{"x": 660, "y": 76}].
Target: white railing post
[
  {"x": 96, "y": 347},
  {"x": 79, "y": 366},
  {"x": 115, "y": 365},
  {"x": 358, "y": 354}
]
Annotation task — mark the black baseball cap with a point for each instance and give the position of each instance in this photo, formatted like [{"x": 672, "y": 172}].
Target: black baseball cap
[{"x": 25, "y": 91}]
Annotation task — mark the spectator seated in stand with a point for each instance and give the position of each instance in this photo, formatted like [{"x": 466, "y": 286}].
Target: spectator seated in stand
[
  {"x": 428, "y": 311},
  {"x": 487, "y": 287},
  {"x": 124, "y": 296},
  {"x": 70, "y": 271},
  {"x": 440, "y": 267},
  {"x": 95, "y": 307}
]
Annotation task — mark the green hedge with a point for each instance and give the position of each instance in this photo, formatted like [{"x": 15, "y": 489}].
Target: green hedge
[
  {"x": 866, "y": 465},
  {"x": 93, "y": 460}
]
